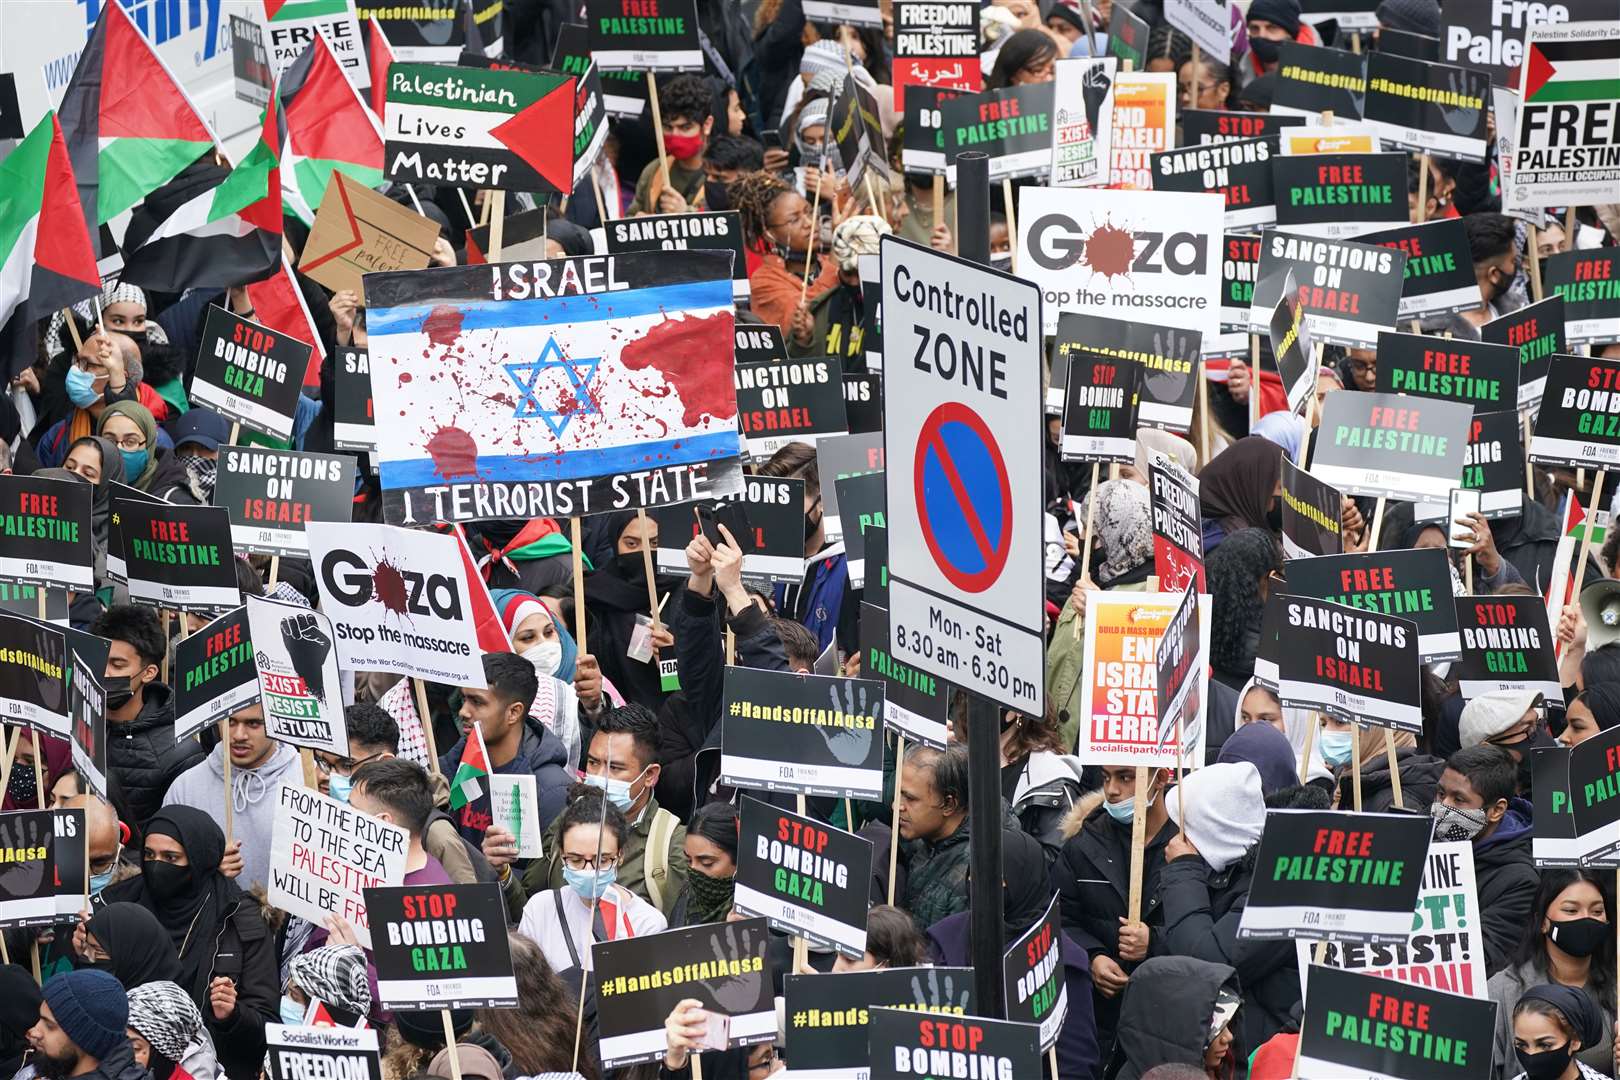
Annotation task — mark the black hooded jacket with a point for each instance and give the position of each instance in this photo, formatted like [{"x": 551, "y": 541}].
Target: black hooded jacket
[
  {"x": 146, "y": 756},
  {"x": 1166, "y": 1012}
]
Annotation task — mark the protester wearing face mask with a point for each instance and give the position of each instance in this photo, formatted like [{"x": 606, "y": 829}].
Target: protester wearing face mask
[
  {"x": 148, "y": 467},
  {"x": 1493, "y": 242},
  {"x": 128, "y": 943},
  {"x": 197, "y": 435},
  {"x": 1567, "y": 946},
  {"x": 1271, "y": 23},
  {"x": 711, "y": 866},
  {"x": 1511, "y": 719},
  {"x": 539, "y": 638},
  {"x": 1475, "y": 801},
  {"x": 777, "y": 223},
  {"x": 1551, "y": 1026},
  {"x": 821, "y": 600},
  {"x": 87, "y": 378},
  {"x": 1420, "y": 772},
  {"x": 685, "y": 103},
  {"x": 833, "y": 324},
  {"x": 24, "y": 789},
  {"x": 617, "y": 602},
  {"x": 591, "y": 904},
  {"x": 106, "y": 835}
]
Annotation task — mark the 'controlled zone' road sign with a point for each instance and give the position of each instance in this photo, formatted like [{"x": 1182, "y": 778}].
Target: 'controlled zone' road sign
[{"x": 963, "y": 423}]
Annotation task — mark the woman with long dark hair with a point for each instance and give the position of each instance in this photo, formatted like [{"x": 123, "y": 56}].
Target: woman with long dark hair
[
  {"x": 539, "y": 1033},
  {"x": 711, "y": 866},
  {"x": 1026, "y": 57}
]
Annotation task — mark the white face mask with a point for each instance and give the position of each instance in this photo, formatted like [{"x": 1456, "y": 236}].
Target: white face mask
[{"x": 546, "y": 656}]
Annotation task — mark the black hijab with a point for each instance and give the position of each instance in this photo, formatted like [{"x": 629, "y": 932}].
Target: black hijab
[
  {"x": 139, "y": 948},
  {"x": 201, "y": 898},
  {"x": 19, "y": 1010},
  {"x": 1236, "y": 486}
]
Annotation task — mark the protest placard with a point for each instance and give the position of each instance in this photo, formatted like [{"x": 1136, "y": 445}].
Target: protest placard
[
  {"x": 685, "y": 232},
  {"x": 1175, "y": 657},
  {"x": 441, "y": 947},
  {"x": 1082, "y": 121},
  {"x": 1537, "y": 331},
  {"x": 914, "y": 702},
  {"x": 1384, "y": 444},
  {"x": 1312, "y": 80},
  {"x": 827, "y": 1014},
  {"x": 1414, "y": 583},
  {"x": 936, "y": 45},
  {"x": 1119, "y": 714},
  {"x": 803, "y": 877},
  {"x": 1178, "y": 542},
  {"x": 28, "y": 887},
  {"x": 291, "y": 28},
  {"x": 1311, "y": 515},
  {"x": 1100, "y": 404},
  {"x": 1239, "y": 171},
  {"x": 513, "y": 805},
  {"x": 250, "y": 71},
  {"x": 1560, "y": 156},
  {"x": 1168, "y": 356},
  {"x": 1293, "y": 353},
  {"x": 298, "y": 675},
  {"x": 303, "y": 1052},
  {"x": 757, "y": 342},
  {"x": 922, "y": 148},
  {"x": 523, "y": 238},
  {"x": 770, "y": 513},
  {"x": 1127, "y": 36},
  {"x": 636, "y": 35},
  {"x": 640, "y": 980},
  {"x": 249, "y": 374},
  {"x": 785, "y": 401},
  {"x": 863, "y": 401},
  {"x": 353, "y": 420},
  {"x": 399, "y": 601},
  {"x": 1240, "y": 265},
  {"x": 177, "y": 557},
  {"x": 1493, "y": 466},
  {"x": 1491, "y": 37},
  {"x": 1085, "y": 244},
  {"x": 72, "y": 869},
  {"x": 433, "y": 31},
  {"x": 359, "y": 232},
  {"x": 1507, "y": 644},
  {"x": 87, "y": 707},
  {"x": 1483, "y": 376},
  {"x": 1012, "y": 125},
  {"x": 1353, "y": 664},
  {"x": 1144, "y": 124},
  {"x": 839, "y": 458},
  {"x": 862, "y": 498},
  {"x": 615, "y": 390},
  {"x": 1426, "y": 107},
  {"x": 624, "y": 92},
  {"x": 1337, "y": 137},
  {"x": 1034, "y": 980},
  {"x": 323, "y": 853},
  {"x": 1206, "y": 127},
  {"x": 45, "y": 532},
  {"x": 1556, "y": 842},
  {"x": 1206, "y": 22},
  {"x": 1594, "y": 789},
  {"x": 1590, "y": 286},
  {"x": 1578, "y": 424},
  {"x": 906, "y": 1044},
  {"x": 24, "y": 600},
  {"x": 115, "y": 541},
  {"x": 1351, "y": 290},
  {"x": 273, "y": 495},
  {"x": 1336, "y": 875},
  {"x": 590, "y": 117},
  {"x": 1337, "y": 195},
  {"x": 819, "y": 735},
  {"x": 214, "y": 673},
  {"x": 1378, "y": 1029},
  {"x": 855, "y": 126},
  {"x": 1439, "y": 274}
]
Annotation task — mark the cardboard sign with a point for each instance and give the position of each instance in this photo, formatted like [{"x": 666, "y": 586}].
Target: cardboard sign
[
  {"x": 513, "y": 805},
  {"x": 915, "y": 704},
  {"x": 1123, "y": 254},
  {"x": 1560, "y": 156},
  {"x": 642, "y": 979},
  {"x": 1445, "y": 949},
  {"x": 1555, "y": 842},
  {"x": 1439, "y": 275},
  {"x": 353, "y": 418},
  {"x": 1206, "y": 127},
  {"x": 297, "y": 1053},
  {"x": 803, "y": 877},
  {"x": 1013, "y": 126},
  {"x": 441, "y": 947},
  {"x": 433, "y": 31},
  {"x": 1578, "y": 424},
  {"x": 1293, "y": 353},
  {"x": 1537, "y": 331},
  {"x": 1351, "y": 290},
  {"x": 1083, "y": 123},
  {"x": 250, "y": 68},
  {"x": 272, "y": 495},
  {"x": 1240, "y": 266},
  {"x": 827, "y": 1014},
  {"x": 632, "y": 35},
  {"x": 1144, "y": 124},
  {"x": 685, "y": 232},
  {"x": 615, "y": 390},
  {"x": 399, "y": 601},
  {"x": 1178, "y": 541},
  {"x": 814, "y": 734},
  {"x": 624, "y": 93},
  {"x": 177, "y": 557},
  {"x": 922, "y": 148},
  {"x": 1414, "y": 583},
  {"x": 87, "y": 706},
  {"x": 298, "y": 675},
  {"x": 1099, "y": 409},
  {"x": 771, "y": 511},
  {"x": 840, "y": 458},
  {"x": 1507, "y": 644},
  {"x": 1312, "y": 80},
  {"x": 45, "y": 532},
  {"x": 785, "y": 401},
  {"x": 1590, "y": 286},
  {"x": 1384, "y": 444},
  {"x": 72, "y": 867},
  {"x": 28, "y": 887},
  {"x": 906, "y": 1044},
  {"x": 359, "y": 232},
  {"x": 1127, "y": 36},
  {"x": 1119, "y": 714},
  {"x": 291, "y": 28},
  {"x": 214, "y": 673},
  {"x": 1363, "y": 1026},
  {"x": 1311, "y": 515},
  {"x": 1034, "y": 980},
  {"x": 323, "y": 853},
  {"x": 249, "y": 374},
  {"x": 1426, "y": 107},
  {"x": 1168, "y": 357},
  {"x": 1594, "y": 788},
  {"x": 1337, "y": 195},
  {"x": 862, "y": 498},
  {"x": 936, "y": 45},
  {"x": 1356, "y": 665},
  {"x": 1336, "y": 875},
  {"x": 1174, "y": 658},
  {"x": 1240, "y": 172},
  {"x": 757, "y": 342},
  {"x": 1483, "y": 376}
]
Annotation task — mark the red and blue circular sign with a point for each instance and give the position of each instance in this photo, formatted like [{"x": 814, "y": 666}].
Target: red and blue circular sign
[{"x": 964, "y": 497}]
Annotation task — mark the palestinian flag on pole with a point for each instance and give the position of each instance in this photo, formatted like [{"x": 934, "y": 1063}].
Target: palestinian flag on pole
[
  {"x": 379, "y": 55},
  {"x": 208, "y": 228},
  {"x": 278, "y": 303},
  {"x": 468, "y": 786},
  {"x": 129, "y": 126},
  {"x": 328, "y": 128},
  {"x": 46, "y": 258}
]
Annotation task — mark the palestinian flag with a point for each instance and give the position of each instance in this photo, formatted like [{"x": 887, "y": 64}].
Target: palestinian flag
[
  {"x": 1572, "y": 70},
  {"x": 209, "y": 227},
  {"x": 130, "y": 128},
  {"x": 379, "y": 55},
  {"x": 278, "y": 303},
  {"x": 46, "y": 258},
  {"x": 328, "y": 128},
  {"x": 467, "y": 787},
  {"x": 492, "y": 635}
]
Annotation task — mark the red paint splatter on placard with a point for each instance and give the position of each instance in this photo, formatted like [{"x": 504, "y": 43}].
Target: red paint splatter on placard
[
  {"x": 389, "y": 586},
  {"x": 442, "y": 325},
  {"x": 684, "y": 351},
  {"x": 1110, "y": 251},
  {"x": 454, "y": 453}
]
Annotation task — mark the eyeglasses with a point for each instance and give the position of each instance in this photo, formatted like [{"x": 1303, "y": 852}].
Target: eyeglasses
[
  {"x": 580, "y": 862},
  {"x": 798, "y": 217},
  {"x": 130, "y": 442},
  {"x": 342, "y": 765}
]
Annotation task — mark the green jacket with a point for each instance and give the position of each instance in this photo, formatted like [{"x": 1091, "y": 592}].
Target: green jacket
[{"x": 547, "y": 872}]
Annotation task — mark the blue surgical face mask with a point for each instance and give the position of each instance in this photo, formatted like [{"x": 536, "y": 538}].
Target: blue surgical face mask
[
  {"x": 81, "y": 387},
  {"x": 134, "y": 463},
  {"x": 618, "y": 791},
  {"x": 101, "y": 881},
  {"x": 291, "y": 1011},
  {"x": 590, "y": 884},
  {"x": 1123, "y": 811},
  {"x": 1335, "y": 747},
  {"x": 339, "y": 786}
]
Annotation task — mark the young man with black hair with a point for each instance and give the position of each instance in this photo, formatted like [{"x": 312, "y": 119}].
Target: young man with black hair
[
  {"x": 401, "y": 793},
  {"x": 141, "y": 747},
  {"x": 1493, "y": 242},
  {"x": 684, "y": 104},
  {"x": 1475, "y": 801}
]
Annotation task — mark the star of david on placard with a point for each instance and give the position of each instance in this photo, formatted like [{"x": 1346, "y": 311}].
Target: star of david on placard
[{"x": 565, "y": 396}]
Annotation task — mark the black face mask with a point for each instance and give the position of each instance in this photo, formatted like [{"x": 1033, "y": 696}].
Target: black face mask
[
  {"x": 1265, "y": 50},
  {"x": 1578, "y": 937},
  {"x": 630, "y": 565},
  {"x": 1274, "y": 517},
  {"x": 716, "y": 196},
  {"x": 119, "y": 696},
  {"x": 22, "y": 788},
  {"x": 1547, "y": 1065},
  {"x": 166, "y": 880}
]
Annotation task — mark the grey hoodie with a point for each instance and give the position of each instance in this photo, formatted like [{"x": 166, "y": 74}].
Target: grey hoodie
[{"x": 253, "y": 805}]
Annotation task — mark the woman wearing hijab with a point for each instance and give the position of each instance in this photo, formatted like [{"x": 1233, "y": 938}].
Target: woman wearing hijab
[
  {"x": 1240, "y": 489},
  {"x": 1551, "y": 1024},
  {"x": 23, "y": 788},
  {"x": 147, "y": 466},
  {"x": 19, "y": 1010},
  {"x": 167, "y": 1034},
  {"x": 1239, "y": 574},
  {"x": 615, "y": 595},
  {"x": 129, "y": 943},
  {"x": 540, "y": 637},
  {"x": 1123, "y": 522},
  {"x": 1420, "y": 772},
  {"x": 95, "y": 459},
  {"x": 227, "y": 954}
]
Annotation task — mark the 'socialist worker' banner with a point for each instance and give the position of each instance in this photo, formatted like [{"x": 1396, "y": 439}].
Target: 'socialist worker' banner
[
  {"x": 803, "y": 877},
  {"x": 1238, "y": 171},
  {"x": 1507, "y": 645},
  {"x": 685, "y": 232},
  {"x": 906, "y": 1045},
  {"x": 1570, "y": 84},
  {"x": 1439, "y": 275},
  {"x": 557, "y": 388},
  {"x": 273, "y": 494},
  {"x": 820, "y": 735},
  {"x": 441, "y": 947},
  {"x": 827, "y": 1015},
  {"x": 641, "y": 980},
  {"x": 1350, "y": 290},
  {"x": 1427, "y": 108},
  {"x": 1119, "y": 709},
  {"x": 1398, "y": 447},
  {"x": 1537, "y": 331},
  {"x": 28, "y": 887},
  {"x": 324, "y": 852},
  {"x": 1034, "y": 980},
  {"x": 1363, "y": 1026},
  {"x": 1594, "y": 788},
  {"x": 1449, "y": 369},
  {"x": 214, "y": 673},
  {"x": 298, "y": 675},
  {"x": 321, "y": 1053},
  {"x": 45, "y": 532},
  {"x": 177, "y": 557},
  {"x": 1354, "y": 665},
  {"x": 1445, "y": 950},
  {"x": 914, "y": 702},
  {"x": 1336, "y": 875},
  {"x": 1312, "y": 522},
  {"x": 249, "y": 374},
  {"x": 1578, "y": 425}
]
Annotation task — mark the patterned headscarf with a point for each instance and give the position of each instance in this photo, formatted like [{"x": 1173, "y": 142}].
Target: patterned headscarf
[
  {"x": 166, "y": 1017},
  {"x": 1124, "y": 524},
  {"x": 112, "y": 292},
  {"x": 336, "y": 974},
  {"x": 855, "y": 237}
]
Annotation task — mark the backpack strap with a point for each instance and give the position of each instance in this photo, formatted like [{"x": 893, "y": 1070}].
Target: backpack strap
[
  {"x": 657, "y": 855},
  {"x": 567, "y": 934}
]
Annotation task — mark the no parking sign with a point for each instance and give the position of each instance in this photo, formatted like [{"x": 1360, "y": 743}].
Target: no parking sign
[{"x": 963, "y": 423}]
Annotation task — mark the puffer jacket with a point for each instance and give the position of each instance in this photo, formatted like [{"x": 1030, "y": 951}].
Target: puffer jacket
[
  {"x": 541, "y": 755},
  {"x": 145, "y": 755}
]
